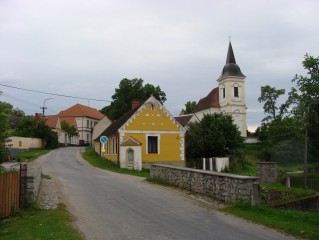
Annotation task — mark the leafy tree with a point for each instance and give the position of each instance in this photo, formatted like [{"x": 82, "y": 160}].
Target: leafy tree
[
  {"x": 5, "y": 111},
  {"x": 269, "y": 96},
  {"x": 15, "y": 116},
  {"x": 36, "y": 127},
  {"x": 306, "y": 104},
  {"x": 69, "y": 129},
  {"x": 189, "y": 107},
  {"x": 214, "y": 136},
  {"x": 281, "y": 140},
  {"x": 126, "y": 92}
]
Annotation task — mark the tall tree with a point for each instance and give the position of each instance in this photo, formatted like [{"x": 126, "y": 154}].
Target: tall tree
[
  {"x": 214, "y": 136},
  {"x": 126, "y": 92},
  {"x": 189, "y": 107},
  {"x": 306, "y": 99},
  {"x": 269, "y": 96}
]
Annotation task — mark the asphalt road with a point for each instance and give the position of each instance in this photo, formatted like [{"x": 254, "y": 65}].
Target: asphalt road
[{"x": 111, "y": 206}]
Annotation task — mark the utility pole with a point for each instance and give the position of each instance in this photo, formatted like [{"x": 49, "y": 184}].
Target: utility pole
[{"x": 44, "y": 107}]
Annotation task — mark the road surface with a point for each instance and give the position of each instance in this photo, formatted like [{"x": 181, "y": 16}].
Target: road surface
[{"x": 109, "y": 206}]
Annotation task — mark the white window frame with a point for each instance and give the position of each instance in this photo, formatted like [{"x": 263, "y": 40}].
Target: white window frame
[{"x": 158, "y": 143}]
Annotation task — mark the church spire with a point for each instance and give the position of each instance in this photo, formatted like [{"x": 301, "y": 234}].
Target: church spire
[
  {"x": 230, "y": 54},
  {"x": 231, "y": 68}
]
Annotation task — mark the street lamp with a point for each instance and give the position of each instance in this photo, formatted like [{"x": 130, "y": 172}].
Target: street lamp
[{"x": 44, "y": 107}]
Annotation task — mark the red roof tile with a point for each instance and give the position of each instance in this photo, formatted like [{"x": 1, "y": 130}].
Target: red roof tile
[
  {"x": 52, "y": 120},
  {"x": 210, "y": 101},
  {"x": 70, "y": 120},
  {"x": 184, "y": 119},
  {"x": 79, "y": 110}
]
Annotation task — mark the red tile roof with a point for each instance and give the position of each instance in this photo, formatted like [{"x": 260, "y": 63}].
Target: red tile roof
[
  {"x": 79, "y": 110},
  {"x": 184, "y": 119},
  {"x": 70, "y": 120},
  {"x": 210, "y": 101},
  {"x": 52, "y": 120}
]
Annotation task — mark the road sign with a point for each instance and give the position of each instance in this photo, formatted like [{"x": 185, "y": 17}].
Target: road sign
[{"x": 103, "y": 139}]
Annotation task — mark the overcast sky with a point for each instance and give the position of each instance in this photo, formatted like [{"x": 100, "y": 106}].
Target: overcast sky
[{"x": 84, "y": 48}]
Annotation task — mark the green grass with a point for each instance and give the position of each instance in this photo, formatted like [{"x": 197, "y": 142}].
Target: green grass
[
  {"x": 96, "y": 161},
  {"x": 303, "y": 224},
  {"x": 295, "y": 192},
  {"x": 39, "y": 224},
  {"x": 286, "y": 167},
  {"x": 30, "y": 155}
]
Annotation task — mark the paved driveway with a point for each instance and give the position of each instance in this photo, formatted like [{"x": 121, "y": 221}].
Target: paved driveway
[{"x": 107, "y": 205}]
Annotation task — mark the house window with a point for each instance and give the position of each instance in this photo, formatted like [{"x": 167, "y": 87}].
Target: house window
[
  {"x": 224, "y": 92},
  {"x": 152, "y": 144},
  {"x": 87, "y": 123},
  {"x": 20, "y": 143},
  {"x": 236, "y": 92}
]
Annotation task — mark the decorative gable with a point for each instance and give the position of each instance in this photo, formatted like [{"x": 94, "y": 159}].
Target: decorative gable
[
  {"x": 130, "y": 141},
  {"x": 152, "y": 116}
]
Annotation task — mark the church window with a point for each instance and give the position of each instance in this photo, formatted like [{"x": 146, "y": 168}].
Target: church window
[
  {"x": 224, "y": 93},
  {"x": 236, "y": 92}
]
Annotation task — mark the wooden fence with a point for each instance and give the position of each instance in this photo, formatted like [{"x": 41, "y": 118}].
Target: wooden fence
[{"x": 9, "y": 192}]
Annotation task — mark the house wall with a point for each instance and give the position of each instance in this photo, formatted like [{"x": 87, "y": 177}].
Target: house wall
[
  {"x": 153, "y": 120},
  {"x": 169, "y": 146},
  {"x": 85, "y": 126},
  {"x": 100, "y": 127},
  {"x": 25, "y": 143},
  {"x": 112, "y": 148}
]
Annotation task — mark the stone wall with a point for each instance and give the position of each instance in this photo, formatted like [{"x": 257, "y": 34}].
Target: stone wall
[
  {"x": 221, "y": 186},
  {"x": 267, "y": 171},
  {"x": 33, "y": 182},
  {"x": 305, "y": 204}
]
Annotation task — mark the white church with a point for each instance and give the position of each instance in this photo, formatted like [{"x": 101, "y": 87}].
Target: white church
[{"x": 228, "y": 97}]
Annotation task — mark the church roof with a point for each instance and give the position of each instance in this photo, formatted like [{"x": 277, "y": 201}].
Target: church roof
[
  {"x": 210, "y": 101},
  {"x": 231, "y": 68}
]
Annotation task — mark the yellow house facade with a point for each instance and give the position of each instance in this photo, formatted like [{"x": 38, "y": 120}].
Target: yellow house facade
[{"x": 147, "y": 134}]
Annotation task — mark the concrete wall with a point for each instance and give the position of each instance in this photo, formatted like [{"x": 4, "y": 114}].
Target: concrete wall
[
  {"x": 222, "y": 186},
  {"x": 25, "y": 143}
]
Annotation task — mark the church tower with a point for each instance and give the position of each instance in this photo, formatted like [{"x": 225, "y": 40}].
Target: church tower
[{"x": 232, "y": 98}]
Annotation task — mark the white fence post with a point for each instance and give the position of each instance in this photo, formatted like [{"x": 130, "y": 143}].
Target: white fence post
[
  {"x": 210, "y": 164},
  {"x": 204, "y": 164}
]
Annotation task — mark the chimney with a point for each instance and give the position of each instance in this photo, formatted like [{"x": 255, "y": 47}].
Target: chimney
[{"x": 135, "y": 103}]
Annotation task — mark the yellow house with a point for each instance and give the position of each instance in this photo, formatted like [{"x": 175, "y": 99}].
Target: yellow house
[{"x": 146, "y": 134}]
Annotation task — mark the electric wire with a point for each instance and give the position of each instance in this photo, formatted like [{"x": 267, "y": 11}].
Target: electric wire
[{"x": 54, "y": 94}]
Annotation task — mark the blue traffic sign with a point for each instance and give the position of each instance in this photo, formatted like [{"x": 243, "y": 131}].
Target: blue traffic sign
[{"x": 103, "y": 139}]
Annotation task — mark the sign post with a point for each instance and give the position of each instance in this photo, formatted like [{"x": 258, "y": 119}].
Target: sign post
[{"x": 103, "y": 140}]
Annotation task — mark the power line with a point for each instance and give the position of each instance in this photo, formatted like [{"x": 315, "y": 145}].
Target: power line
[{"x": 54, "y": 94}]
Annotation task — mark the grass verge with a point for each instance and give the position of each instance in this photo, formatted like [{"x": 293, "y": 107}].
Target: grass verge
[
  {"x": 96, "y": 161},
  {"x": 39, "y": 224},
  {"x": 297, "y": 223},
  {"x": 30, "y": 155}
]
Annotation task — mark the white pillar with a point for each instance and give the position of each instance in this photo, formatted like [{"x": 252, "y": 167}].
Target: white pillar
[
  {"x": 210, "y": 164},
  {"x": 204, "y": 164}
]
